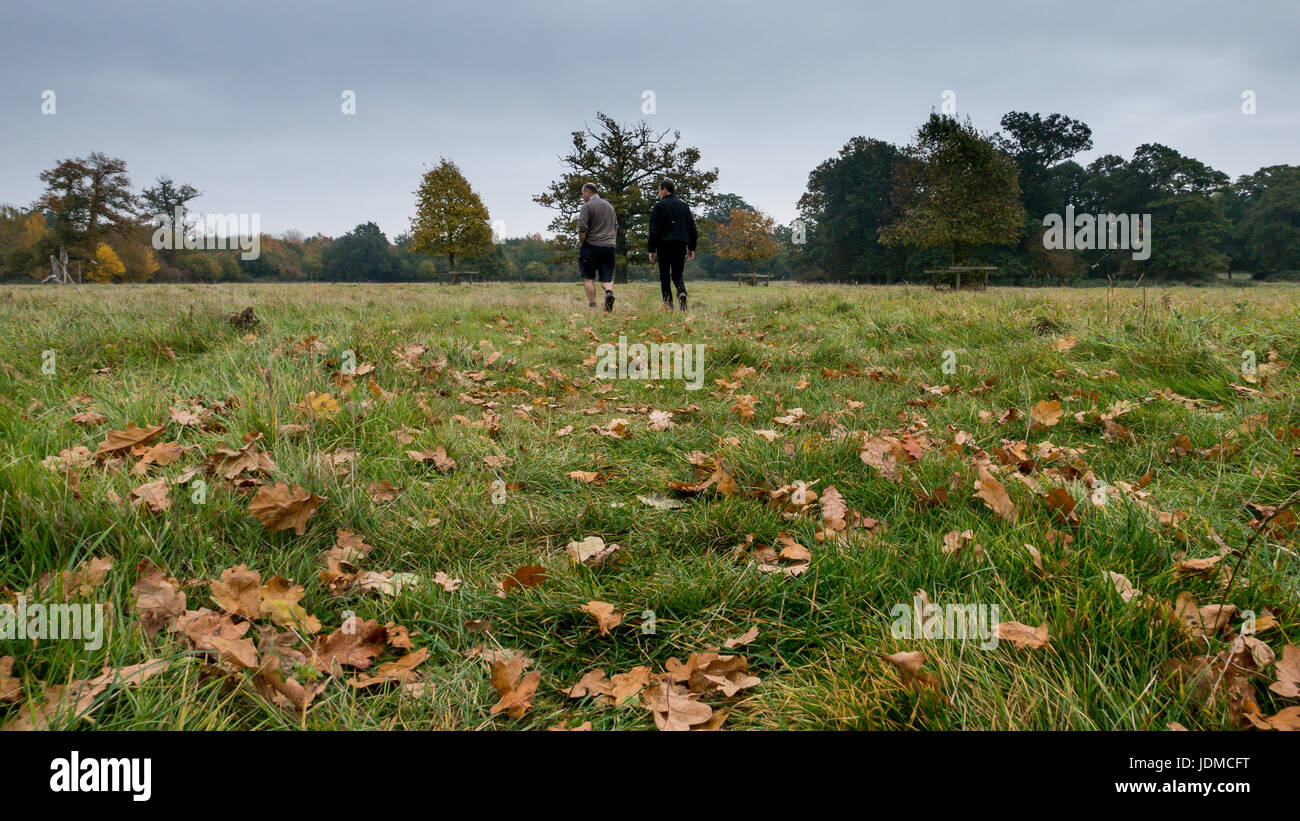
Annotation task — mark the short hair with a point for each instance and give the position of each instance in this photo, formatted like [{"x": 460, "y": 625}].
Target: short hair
[
  {"x": 667, "y": 186},
  {"x": 590, "y": 186}
]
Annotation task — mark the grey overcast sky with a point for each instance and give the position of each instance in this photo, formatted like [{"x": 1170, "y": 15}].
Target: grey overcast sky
[{"x": 242, "y": 99}]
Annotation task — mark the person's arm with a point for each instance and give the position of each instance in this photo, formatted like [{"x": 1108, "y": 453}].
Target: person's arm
[
  {"x": 584, "y": 220},
  {"x": 694, "y": 234},
  {"x": 653, "y": 240}
]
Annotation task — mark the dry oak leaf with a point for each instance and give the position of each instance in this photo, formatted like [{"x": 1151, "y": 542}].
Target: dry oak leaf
[
  {"x": 288, "y": 694},
  {"x": 614, "y": 429},
  {"x": 159, "y": 599},
  {"x": 383, "y": 491},
  {"x": 1045, "y": 413},
  {"x": 280, "y": 507},
  {"x": 1288, "y": 673},
  {"x": 1202, "y": 621},
  {"x": 1123, "y": 586},
  {"x": 354, "y": 644},
  {"x": 90, "y": 418},
  {"x": 438, "y": 457},
  {"x": 78, "y": 699},
  {"x": 238, "y": 592},
  {"x": 152, "y": 495},
  {"x": 162, "y": 454},
  {"x": 318, "y": 405},
  {"x": 908, "y": 665},
  {"x": 1022, "y": 635},
  {"x": 586, "y": 476},
  {"x": 591, "y": 551},
  {"x": 402, "y": 670},
  {"x": 446, "y": 582},
  {"x": 676, "y": 708},
  {"x": 87, "y": 576},
  {"x": 514, "y": 688},
  {"x": 228, "y": 463},
  {"x": 995, "y": 496},
  {"x": 218, "y": 633},
  {"x": 120, "y": 441},
  {"x": 530, "y": 575},
  {"x": 11, "y": 689},
  {"x": 604, "y": 614},
  {"x": 280, "y": 600},
  {"x": 348, "y": 547}
]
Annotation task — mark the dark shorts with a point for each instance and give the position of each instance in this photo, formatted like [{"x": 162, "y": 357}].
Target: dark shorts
[{"x": 596, "y": 259}]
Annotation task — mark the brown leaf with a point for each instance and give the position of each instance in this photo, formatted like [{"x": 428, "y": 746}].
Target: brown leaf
[
  {"x": 121, "y": 441},
  {"x": 238, "y": 592},
  {"x": 159, "y": 599},
  {"x": 604, "y": 614},
  {"x": 1022, "y": 635},
  {"x": 280, "y": 603},
  {"x": 995, "y": 496},
  {"x": 152, "y": 495},
  {"x": 11, "y": 689},
  {"x": 514, "y": 689},
  {"x": 280, "y": 507},
  {"x": 530, "y": 575},
  {"x": 1046, "y": 413}
]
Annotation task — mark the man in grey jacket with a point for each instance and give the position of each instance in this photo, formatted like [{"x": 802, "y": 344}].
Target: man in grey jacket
[{"x": 597, "y": 235}]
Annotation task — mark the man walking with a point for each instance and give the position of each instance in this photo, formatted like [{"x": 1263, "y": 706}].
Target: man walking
[
  {"x": 672, "y": 239},
  {"x": 597, "y": 235}
]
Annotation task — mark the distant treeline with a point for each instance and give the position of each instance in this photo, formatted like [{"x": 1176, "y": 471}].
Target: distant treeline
[{"x": 875, "y": 212}]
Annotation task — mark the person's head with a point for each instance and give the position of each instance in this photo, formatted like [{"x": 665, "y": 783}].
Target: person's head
[
  {"x": 665, "y": 188},
  {"x": 589, "y": 191}
]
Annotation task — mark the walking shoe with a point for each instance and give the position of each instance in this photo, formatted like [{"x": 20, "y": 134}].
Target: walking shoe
[
  {"x": 609, "y": 301},
  {"x": 668, "y": 304},
  {"x": 591, "y": 305},
  {"x": 681, "y": 300}
]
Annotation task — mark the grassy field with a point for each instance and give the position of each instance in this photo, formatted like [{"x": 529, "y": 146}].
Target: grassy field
[{"x": 903, "y": 400}]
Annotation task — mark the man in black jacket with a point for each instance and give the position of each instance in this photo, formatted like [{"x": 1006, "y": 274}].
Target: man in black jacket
[{"x": 672, "y": 239}]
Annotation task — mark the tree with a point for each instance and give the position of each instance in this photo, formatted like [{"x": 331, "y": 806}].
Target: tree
[
  {"x": 746, "y": 236},
  {"x": 956, "y": 191},
  {"x": 626, "y": 163},
  {"x": 107, "y": 267},
  {"x": 1185, "y": 198},
  {"x": 1037, "y": 146},
  {"x": 847, "y": 203},
  {"x": 361, "y": 254},
  {"x": 167, "y": 199},
  {"x": 449, "y": 217},
  {"x": 138, "y": 260},
  {"x": 1271, "y": 228},
  {"x": 88, "y": 196}
]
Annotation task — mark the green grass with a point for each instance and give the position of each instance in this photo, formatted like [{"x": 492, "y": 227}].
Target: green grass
[{"x": 818, "y": 632}]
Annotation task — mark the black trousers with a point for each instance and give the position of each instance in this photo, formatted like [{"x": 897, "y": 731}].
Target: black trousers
[{"x": 672, "y": 261}]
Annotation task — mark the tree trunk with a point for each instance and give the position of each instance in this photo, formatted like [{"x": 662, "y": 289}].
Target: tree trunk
[{"x": 451, "y": 262}]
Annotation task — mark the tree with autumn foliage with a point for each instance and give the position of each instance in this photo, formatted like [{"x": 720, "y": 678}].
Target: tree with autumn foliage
[
  {"x": 954, "y": 190},
  {"x": 449, "y": 217},
  {"x": 626, "y": 162},
  {"x": 746, "y": 236},
  {"x": 87, "y": 196},
  {"x": 107, "y": 267}
]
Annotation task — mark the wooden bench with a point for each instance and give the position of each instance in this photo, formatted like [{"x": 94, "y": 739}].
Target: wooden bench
[
  {"x": 752, "y": 279},
  {"x": 956, "y": 277}
]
